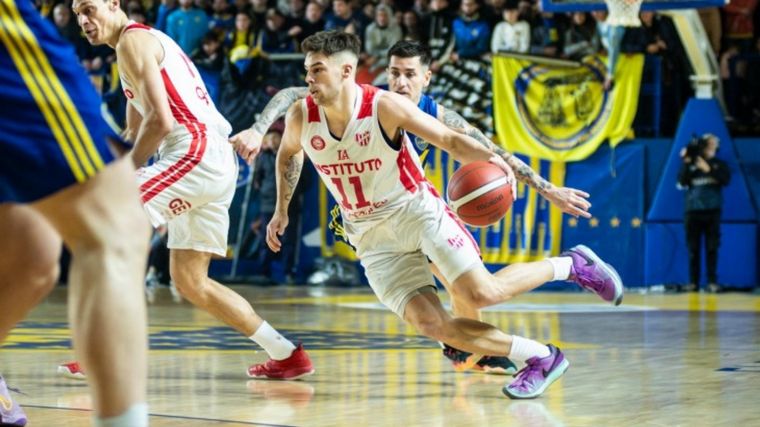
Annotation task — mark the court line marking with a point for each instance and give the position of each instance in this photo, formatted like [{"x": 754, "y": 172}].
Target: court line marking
[{"x": 183, "y": 417}]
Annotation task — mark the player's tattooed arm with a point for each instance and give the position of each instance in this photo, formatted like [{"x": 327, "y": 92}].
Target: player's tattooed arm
[
  {"x": 523, "y": 172},
  {"x": 287, "y": 171},
  {"x": 290, "y": 157},
  {"x": 278, "y": 106},
  {"x": 292, "y": 173}
]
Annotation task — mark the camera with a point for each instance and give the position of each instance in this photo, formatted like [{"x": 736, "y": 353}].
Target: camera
[{"x": 695, "y": 147}]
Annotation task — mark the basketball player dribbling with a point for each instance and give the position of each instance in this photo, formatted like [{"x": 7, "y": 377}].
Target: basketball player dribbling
[
  {"x": 355, "y": 136},
  {"x": 59, "y": 181},
  {"x": 408, "y": 75},
  {"x": 191, "y": 185}
]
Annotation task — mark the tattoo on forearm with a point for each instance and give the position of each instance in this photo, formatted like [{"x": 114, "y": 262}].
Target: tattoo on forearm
[
  {"x": 523, "y": 172},
  {"x": 292, "y": 173},
  {"x": 278, "y": 106}
]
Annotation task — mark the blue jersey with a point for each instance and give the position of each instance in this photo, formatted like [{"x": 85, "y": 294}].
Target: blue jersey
[
  {"x": 52, "y": 134},
  {"x": 429, "y": 106}
]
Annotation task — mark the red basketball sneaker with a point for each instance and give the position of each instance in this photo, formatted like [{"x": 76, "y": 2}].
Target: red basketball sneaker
[
  {"x": 294, "y": 367},
  {"x": 71, "y": 370}
]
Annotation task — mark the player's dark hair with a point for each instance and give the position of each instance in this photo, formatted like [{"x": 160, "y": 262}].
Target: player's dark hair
[
  {"x": 331, "y": 42},
  {"x": 411, "y": 49}
]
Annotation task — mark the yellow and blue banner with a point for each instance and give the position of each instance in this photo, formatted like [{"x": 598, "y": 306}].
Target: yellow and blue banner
[{"x": 562, "y": 113}]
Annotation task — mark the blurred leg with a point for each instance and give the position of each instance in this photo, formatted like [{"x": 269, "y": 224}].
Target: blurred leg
[{"x": 103, "y": 224}]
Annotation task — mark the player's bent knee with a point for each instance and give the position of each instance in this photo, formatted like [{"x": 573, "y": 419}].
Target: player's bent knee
[{"x": 478, "y": 295}]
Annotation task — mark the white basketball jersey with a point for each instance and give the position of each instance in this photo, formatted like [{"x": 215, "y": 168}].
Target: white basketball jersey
[
  {"x": 368, "y": 178},
  {"x": 192, "y": 108}
]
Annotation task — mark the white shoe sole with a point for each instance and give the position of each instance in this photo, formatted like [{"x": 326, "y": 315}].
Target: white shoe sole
[{"x": 64, "y": 372}]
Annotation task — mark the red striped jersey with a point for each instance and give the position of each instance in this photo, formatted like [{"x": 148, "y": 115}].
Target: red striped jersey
[
  {"x": 368, "y": 177},
  {"x": 193, "y": 109}
]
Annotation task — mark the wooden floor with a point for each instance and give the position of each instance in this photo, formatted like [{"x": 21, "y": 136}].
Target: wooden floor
[{"x": 657, "y": 360}]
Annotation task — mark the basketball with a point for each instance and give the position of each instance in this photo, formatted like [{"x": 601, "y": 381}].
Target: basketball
[{"x": 480, "y": 193}]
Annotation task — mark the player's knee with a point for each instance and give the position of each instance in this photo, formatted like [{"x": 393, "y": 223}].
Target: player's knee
[
  {"x": 188, "y": 284},
  {"x": 41, "y": 279},
  {"x": 480, "y": 295}
]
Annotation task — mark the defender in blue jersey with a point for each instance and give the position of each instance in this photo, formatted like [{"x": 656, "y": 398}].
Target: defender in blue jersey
[
  {"x": 409, "y": 75},
  {"x": 59, "y": 181}
]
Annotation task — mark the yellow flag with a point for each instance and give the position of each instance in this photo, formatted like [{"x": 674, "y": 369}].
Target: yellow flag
[{"x": 563, "y": 113}]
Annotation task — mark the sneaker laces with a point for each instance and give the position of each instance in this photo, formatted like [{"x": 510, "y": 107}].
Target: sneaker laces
[{"x": 523, "y": 374}]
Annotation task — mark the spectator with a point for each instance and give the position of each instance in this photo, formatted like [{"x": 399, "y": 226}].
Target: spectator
[
  {"x": 187, "y": 26},
  {"x": 411, "y": 27},
  {"x": 222, "y": 19},
  {"x": 439, "y": 33},
  {"x": 379, "y": 37},
  {"x": 136, "y": 13},
  {"x": 343, "y": 18},
  {"x": 274, "y": 37},
  {"x": 291, "y": 9},
  {"x": 210, "y": 57},
  {"x": 421, "y": 8},
  {"x": 258, "y": 14},
  {"x": 545, "y": 37},
  {"x": 581, "y": 39},
  {"x": 242, "y": 6},
  {"x": 69, "y": 30},
  {"x": 703, "y": 175},
  {"x": 739, "y": 26},
  {"x": 511, "y": 35},
  {"x": 164, "y": 10},
  {"x": 646, "y": 38},
  {"x": 492, "y": 10},
  {"x": 243, "y": 38},
  {"x": 472, "y": 34},
  {"x": 312, "y": 23}
]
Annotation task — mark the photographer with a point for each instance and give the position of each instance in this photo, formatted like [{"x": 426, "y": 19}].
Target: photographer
[{"x": 703, "y": 175}]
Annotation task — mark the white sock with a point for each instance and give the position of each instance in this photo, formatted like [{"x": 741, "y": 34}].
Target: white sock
[
  {"x": 276, "y": 346},
  {"x": 524, "y": 348},
  {"x": 135, "y": 416},
  {"x": 561, "y": 267}
]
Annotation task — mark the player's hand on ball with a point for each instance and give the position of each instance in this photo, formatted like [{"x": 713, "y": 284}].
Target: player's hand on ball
[
  {"x": 247, "y": 144},
  {"x": 499, "y": 161},
  {"x": 571, "y": 201},
  {"x": 275, "y": 228}
]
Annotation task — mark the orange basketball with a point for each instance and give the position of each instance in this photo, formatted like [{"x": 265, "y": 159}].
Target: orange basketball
[{"x": 480, "y": 193}]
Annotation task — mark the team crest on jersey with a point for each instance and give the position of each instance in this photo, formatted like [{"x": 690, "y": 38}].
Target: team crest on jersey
[
  {"x": 362, "y": 138},
  {"x": 318, "y": 143}
]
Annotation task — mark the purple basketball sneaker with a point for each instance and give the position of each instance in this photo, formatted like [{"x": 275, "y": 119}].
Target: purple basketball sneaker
[
  {"x": 10, "y": 413},
  {"x": 537, "y": 375},
  {"x": 595, "y": 275}
]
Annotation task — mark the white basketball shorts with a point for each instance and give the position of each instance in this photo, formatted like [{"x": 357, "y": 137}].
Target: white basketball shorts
[
  {"x": 190, "y": 189},
  {"x": 395, "y": 253}
]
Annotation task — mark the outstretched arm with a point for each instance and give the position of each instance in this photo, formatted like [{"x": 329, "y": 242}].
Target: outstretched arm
[
  {"x": 248, "y": 142},
  {"x": 288, "y": 170},
  {"x": 570, "y": 200}
]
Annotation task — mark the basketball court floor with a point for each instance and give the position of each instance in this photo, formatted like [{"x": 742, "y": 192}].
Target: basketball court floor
[{"x": 657, "y": 360}]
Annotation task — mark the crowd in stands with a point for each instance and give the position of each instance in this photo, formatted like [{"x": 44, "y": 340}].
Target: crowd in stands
[{"x": 217, "y": 32}]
